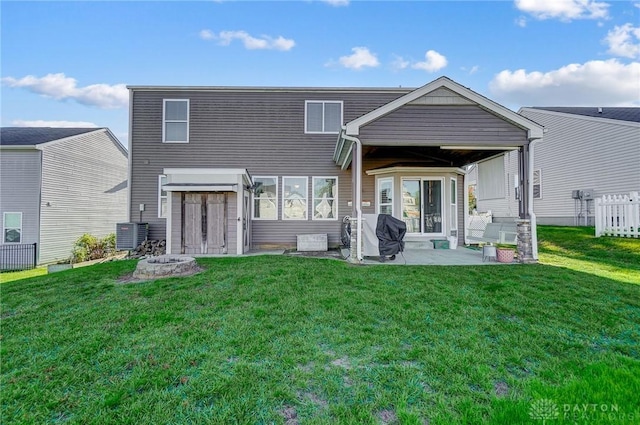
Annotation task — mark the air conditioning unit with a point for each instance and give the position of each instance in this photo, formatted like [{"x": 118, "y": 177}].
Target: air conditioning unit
[{"x": 130, "y": 235}]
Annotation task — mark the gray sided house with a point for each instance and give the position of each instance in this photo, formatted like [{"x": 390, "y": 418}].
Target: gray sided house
[
  {"x": 230, "y": 169},
  {"x": 59, "y": 183},
  {"x": 587, "y": 152}
]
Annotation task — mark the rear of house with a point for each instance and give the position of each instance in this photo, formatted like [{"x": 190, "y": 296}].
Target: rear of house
[
  {"x": 59, "y": 183},
  {"x": 587, "y": 152},
  {"x": 219, "y": 170}
]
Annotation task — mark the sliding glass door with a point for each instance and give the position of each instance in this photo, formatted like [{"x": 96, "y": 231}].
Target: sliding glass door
[{"x": 422, "y": 205}]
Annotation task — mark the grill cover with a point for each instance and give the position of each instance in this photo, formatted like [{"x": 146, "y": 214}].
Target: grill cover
[{"x": 390, "y": 232}]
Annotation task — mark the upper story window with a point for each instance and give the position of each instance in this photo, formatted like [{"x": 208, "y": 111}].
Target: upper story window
[
  {"x": 175, "y": 122},
  {"x": 323, "y": 116}
]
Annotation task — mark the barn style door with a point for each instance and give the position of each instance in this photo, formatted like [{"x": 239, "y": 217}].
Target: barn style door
[{"x": 204, "y": 221}]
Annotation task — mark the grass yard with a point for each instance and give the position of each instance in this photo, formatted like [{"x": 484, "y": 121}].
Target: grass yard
[{"x": 273, "y": 339}]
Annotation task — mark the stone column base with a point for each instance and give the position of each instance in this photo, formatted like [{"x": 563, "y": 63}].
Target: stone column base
[{"x": 525, "y": 242}]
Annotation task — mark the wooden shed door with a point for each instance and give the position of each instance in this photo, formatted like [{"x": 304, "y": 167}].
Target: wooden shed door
[{"x": 204, "y": 223}]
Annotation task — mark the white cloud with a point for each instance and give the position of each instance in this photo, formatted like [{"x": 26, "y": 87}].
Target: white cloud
[
  {"x": 521, "y": 22},
  {"x": 337, "y": 3},
  {"x": 61, "y": 87},
  {"x": 42, "y": 123},
  {"x": 434, "y": 61},
  {"x": 360, "y": 58},
  {"x": 624, "y": 41},
  {"x": 564, "y": 10},
  {"x": 263, "y": 42},
  {"x": 399, "y": 63},
  {"x": 207, "y": 35},
  {"x": 601, "y": 83}
]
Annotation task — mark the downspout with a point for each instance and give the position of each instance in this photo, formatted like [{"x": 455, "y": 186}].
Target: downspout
[
  {"x": 358, "y": 195},
  {"x": 532, "y": 215}
]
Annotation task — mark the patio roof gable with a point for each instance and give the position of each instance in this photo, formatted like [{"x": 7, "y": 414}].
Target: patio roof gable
[{"x": 444, "y": 91}]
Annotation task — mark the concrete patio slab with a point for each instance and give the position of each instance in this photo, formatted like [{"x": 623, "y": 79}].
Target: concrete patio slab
[{"x": 436, "y": 257}]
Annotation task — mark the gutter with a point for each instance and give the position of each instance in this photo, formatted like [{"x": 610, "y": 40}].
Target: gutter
[
  {"x": 532, "y": 215},
  {"x": 355, "y": 142}
]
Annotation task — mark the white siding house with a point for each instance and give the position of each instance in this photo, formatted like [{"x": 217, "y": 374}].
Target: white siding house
[
  {"x": 588, "y": 149},
  {"x": 59, "y": 183}
]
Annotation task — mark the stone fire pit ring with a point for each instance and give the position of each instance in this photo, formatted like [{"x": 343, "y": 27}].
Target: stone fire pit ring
[{"x": 165, "y": 266}]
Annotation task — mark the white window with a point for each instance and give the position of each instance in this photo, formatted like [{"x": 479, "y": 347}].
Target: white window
[
  {"x": 325, "y": 198},
  {"x": 265, "y": 198},
  {"x": 537, "y": 184},
  {"x": 454, "y": 206},
  {"x": 384, "y": 196},
  {"x": 162, "y": 197},
  {"x": 323, "y": 116},
  {"x": 294, "y": 198},
  {"x": 12, "y": 227},
  {"x": 491, "y": 179},
  {"x": 175, "y": 126}
]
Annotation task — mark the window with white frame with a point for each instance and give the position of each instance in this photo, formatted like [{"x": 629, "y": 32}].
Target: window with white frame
[
  {"x": 265, "y": 198},
  {"x": 325, "y": 198},
  {"x": 162, "y": 197},
  {"x": 384, "y": 196},
  {"x": 175, "y": 125},
  {"x": 12, "y": 227},
  {"x": 323, "y": 116},
  {"x": 294, "y": 198},
  {"x": 537, "y": 184},
  {"x": 453, "y": 187}
]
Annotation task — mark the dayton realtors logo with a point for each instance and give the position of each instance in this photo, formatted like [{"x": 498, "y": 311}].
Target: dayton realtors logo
[{"x": 544, "y": 410}]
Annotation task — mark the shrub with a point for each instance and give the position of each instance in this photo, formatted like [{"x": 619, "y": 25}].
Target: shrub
[{"x": 88, "y": 247}]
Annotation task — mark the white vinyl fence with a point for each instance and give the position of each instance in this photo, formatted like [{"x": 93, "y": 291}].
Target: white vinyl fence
[{"x": 618, "y": 215}]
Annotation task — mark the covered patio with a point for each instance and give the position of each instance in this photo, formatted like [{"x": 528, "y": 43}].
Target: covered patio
[{"x": 408, "y": 157}]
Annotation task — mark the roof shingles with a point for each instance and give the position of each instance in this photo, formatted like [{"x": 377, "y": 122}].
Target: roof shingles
[{"x": 29, "y": 136}]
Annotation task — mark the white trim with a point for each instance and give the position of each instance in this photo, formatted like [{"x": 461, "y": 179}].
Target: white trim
[
  {"x": 165, "y": 121},
  {"x": 453, "y": 204},
  {"x": 378, "y": 201},
  {"x": 388, "y": 170},
  {"x": 204, "y": 187},
  {"x": 253, "y": 199},
  {"x": 539, "y": 171},
  {"x": 535, "y": 130},
  {"x": 480, "y": 148},
  {"x": 334, "y": 198},
  {"x": 443, "y": 215},
  {"x": 284, "y": 198},
  {"x": 239, "y": 219},
  {"x": 169, "y": 223},
  {"x": 323, "y": 102},
  {"x": 4, "y": 226},
  {"x": 160, "y": 196}
]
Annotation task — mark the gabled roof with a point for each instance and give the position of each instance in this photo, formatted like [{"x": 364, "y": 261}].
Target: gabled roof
[
  {"x": 535, "y": 131},
  {"x": 30, "y": 136},
  {"x": 613, "y": 113}
]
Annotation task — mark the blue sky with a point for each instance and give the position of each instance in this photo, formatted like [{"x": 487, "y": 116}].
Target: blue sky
[{"x": 67, "y": 63}]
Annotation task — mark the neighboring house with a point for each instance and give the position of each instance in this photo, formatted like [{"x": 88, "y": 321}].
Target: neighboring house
[
  {"x": 229, "y": 169},
  {"x": 59, "y": 183},
  {"x": 586, "y": 152}
]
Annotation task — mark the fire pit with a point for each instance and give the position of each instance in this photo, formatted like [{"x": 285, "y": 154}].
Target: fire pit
[{"x": 165, "y": 266}]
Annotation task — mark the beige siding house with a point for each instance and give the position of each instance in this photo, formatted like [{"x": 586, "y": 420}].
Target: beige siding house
[
  {"x": 586, "y": 152},
  {"x": 59, "y": 183}
]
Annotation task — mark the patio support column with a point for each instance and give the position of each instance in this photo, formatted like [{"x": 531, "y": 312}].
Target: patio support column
[
  {"x": 526, "y": 240},
  {"x": 356, "y": 174}
]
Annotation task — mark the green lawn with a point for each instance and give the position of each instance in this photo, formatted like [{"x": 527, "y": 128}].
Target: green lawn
[{"x": 273, "y": 339}]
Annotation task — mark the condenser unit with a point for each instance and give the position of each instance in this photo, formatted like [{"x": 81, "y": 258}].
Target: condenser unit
[{"x": 130, "y": 235}]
